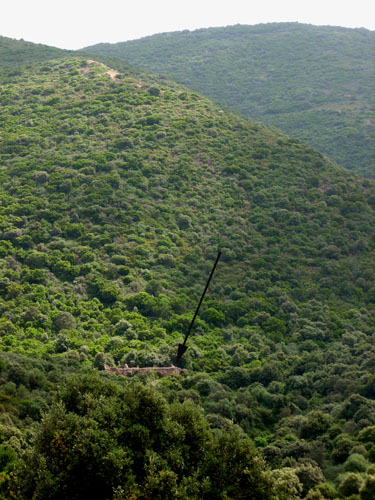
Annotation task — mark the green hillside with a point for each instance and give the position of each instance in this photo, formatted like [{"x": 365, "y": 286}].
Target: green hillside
[
  {"x": 116, "y": 192},
  {"x": 315, "y": 83},
  {"x": 15, "y": 53}
]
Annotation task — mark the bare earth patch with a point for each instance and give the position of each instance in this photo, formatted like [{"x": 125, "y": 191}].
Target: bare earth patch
[{"x": 112, "y": 73}]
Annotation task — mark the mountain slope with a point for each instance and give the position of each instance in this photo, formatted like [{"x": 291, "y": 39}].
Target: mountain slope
[
  {"x": 116, "y": 192},
  {"x": 14, "y": 53},
  {"x": 313, "y": 82}
]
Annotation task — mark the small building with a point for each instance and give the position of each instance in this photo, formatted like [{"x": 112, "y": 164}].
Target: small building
[{"x": 163, "y": 370}]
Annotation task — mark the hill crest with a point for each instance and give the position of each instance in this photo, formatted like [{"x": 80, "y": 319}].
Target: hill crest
[{"x": 312, "y": 82}]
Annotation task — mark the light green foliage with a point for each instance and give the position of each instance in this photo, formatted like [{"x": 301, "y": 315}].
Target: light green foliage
[
  {"x": 327, "y": 490},
  {"x": 356, "y": 463},
  {"x": 287, "y": 484},
  {"x": 314, "y": 495}
]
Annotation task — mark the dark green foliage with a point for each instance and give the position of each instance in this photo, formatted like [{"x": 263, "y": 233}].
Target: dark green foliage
[
  {"x": 342, "y": 446},
  {"x": 7, "y": 457},
  {"x": 16, "y": 53},
  {"x": 316, "y": 424},
  {"x": 313, "y": 82},
  {"x": 350, "y": 485},
  {"x": 309, "y": 476},
  {"x": 130, "y": 439}
]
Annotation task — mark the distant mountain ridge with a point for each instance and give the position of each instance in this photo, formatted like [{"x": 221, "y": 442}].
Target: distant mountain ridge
[{"x": 315, "y": 83}]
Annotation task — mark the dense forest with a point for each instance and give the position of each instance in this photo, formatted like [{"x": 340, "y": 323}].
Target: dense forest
[
  {"x": 117, "y": 190},
  {"x": 312, "y": 82}
]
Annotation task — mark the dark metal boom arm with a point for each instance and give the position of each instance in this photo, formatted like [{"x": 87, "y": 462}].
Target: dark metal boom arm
[{"x": 182, "y": 347}]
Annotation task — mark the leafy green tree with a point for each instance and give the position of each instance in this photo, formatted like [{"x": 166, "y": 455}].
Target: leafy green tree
[
  {"x": 129, "y": 439},
  {"x": 350, "y": 485},
  {"x": 356, "y": 463},
  {"x": 214, "y": 317},
  {"x": 309, "y": 476},
  {"x": 315, "y": 424},
  {"x": 64, "y": 321},
  {"x": 342, "y": 447},
  {"x": 314, "y": 495},
  {"x": 287, "y": 484}
]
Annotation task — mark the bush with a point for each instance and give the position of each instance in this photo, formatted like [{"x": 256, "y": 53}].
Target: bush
[
  {"x": 356, "y": 463},
  {"x": 64, "y": 321},
  {"x": 309, "y": 475},
  {"x": 315, "y": 424},
  {"x": 286, "y": 484},
  {"x": 350, "y": 485}
]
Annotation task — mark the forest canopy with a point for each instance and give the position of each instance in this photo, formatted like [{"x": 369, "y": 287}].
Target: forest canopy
[{"x": 117, "y": 189}]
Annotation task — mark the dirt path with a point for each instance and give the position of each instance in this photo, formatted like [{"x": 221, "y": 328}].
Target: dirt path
[{"x": 112, "y": 73}]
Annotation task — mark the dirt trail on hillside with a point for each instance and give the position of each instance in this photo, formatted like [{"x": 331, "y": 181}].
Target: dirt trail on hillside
[{"x": 112, "y": 73}]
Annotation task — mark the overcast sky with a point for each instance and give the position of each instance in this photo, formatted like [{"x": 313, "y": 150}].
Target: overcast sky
[{"x": 72, "y": 24}]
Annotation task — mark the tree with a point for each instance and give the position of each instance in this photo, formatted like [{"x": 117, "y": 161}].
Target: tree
[
  {"x": 287, "y": 484},
  {"x": 342, "y": 448},
  {"x": 213, "y": 316},
  {"x": 64, "y": 321},
  {"x": 315, "y": 424},
  {"x": 100, "y": 438},
  {"x": 234, "y": 470},
  {"x": 356, "y": 463},
  {"x": 350, "y": 485},
  {"x": 309, "y": 475}
]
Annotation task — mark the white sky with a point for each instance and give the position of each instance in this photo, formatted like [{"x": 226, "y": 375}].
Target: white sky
[{"x": 72, "y": 24}]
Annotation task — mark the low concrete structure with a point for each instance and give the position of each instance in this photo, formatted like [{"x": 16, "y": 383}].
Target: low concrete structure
[{"x": 163, "y": 370}]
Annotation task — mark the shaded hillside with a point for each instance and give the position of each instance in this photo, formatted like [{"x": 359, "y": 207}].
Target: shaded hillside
[
  {"x": 14, "y": 53},
  {"x": 116, "y": 192},
  {"x": 313, "y": 82}
]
